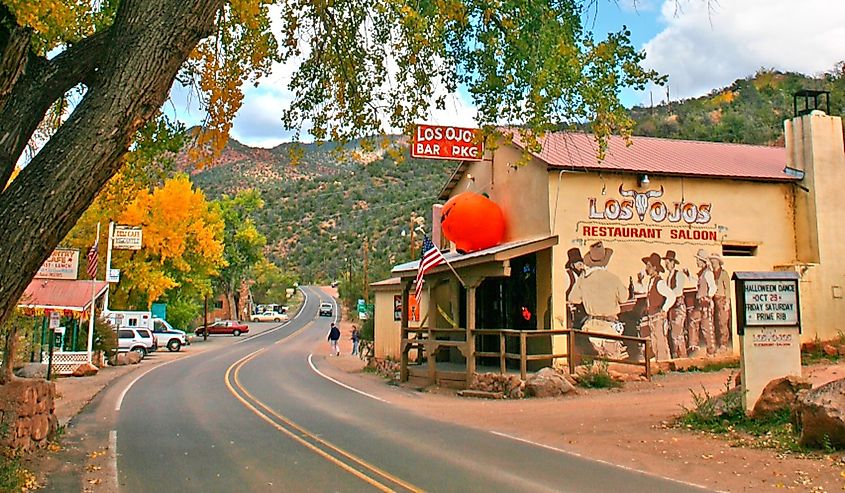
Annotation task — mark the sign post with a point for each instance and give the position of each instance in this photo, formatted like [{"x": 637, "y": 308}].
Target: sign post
[{"x": 769, "y": 328}]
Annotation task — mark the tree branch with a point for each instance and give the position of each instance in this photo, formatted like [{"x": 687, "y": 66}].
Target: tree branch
[
  {"x": 43, "y": 83},
  {"x": 14, "y": 48},
  {"x": 147, "y": 43}
]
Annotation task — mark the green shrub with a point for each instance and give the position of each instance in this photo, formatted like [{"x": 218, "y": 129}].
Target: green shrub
[{"x": 597, "y": 376}]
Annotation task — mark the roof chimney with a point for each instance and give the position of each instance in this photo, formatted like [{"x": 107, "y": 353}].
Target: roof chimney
[{"x": 812, "y": 101}]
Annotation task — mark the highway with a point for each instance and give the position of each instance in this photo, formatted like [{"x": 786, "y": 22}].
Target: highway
[{"x": 260, "y": 414}]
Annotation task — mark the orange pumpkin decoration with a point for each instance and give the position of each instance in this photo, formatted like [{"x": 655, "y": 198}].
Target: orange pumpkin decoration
[{"x": 473, "y": 222}]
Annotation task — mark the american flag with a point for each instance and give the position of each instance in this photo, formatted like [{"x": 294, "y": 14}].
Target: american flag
[
  {"x": 92, "y": 260},
  {"x": 431, "y": 258}
]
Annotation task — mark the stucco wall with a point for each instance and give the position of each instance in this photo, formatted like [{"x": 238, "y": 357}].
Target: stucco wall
[
  {"x": 516, "y": 188},
  {"x": 740, "y": 213}
]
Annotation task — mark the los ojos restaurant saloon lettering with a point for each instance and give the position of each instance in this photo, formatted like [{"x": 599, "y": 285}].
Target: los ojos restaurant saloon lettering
[
  {"x": 670, "y": 221},
  {"x": 439, "y": 142}
]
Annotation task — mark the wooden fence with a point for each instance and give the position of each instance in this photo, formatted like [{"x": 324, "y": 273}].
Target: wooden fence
[{"x": 431, "y": 340}]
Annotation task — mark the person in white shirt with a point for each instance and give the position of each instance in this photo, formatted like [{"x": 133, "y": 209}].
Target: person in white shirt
[
  {"x": 700, "y": 321},
  {"x": 660, "y": 298},
  {"x": 677, "y": 315}
]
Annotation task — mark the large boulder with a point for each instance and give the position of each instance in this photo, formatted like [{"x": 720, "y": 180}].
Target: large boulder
[
  {"x": 780, "y": 394},
  {"x": 85, "y": 370},
  {"x": 133, "y": 358},
  {"x": 820, "y": 414},
  {"x": 547, "y": 383},
  {"x": 32, "y": 370}
]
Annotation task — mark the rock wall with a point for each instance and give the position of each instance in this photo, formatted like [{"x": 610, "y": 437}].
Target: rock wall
[{"x": 27, "y": 414}]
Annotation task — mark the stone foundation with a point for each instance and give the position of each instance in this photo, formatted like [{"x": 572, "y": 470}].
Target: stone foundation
[{"x": 27, "y": 414}]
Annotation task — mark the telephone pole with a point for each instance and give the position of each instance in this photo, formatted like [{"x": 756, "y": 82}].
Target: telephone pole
[{"x": 366, "y": 284}]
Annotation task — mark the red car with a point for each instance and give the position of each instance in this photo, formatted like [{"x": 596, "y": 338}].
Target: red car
[{"x": 224, "y": 327}]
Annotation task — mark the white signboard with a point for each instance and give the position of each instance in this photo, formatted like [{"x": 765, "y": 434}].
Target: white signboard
[
  {"x": 113, "y": 275},
  {"x": 771, "y": 302},
  {"x": 126, "y": 238},
  {"x": 55, "y": 319},
  {"x": 62, "y": 264},
  {"x": 767, "y": 353}
]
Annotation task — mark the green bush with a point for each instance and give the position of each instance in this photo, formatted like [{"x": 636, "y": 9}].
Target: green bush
[{"x": 597, "y": 376}]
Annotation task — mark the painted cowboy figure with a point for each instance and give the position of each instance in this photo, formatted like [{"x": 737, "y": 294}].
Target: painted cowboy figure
[
  {"x": 601, "y": 292},
  {"x": 574, "y": 271},
  {"x": 701, "y": 318},
  {"x": 721, "y": 302},
  {"x": 659, "y": 299},
  {"x": 677, "y": 315}
]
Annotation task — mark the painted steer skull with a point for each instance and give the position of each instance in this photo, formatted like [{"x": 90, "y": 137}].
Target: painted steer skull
[{"x": 641, "y": 199}]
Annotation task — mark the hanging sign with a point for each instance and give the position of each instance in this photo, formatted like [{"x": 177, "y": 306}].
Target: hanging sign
[
  {"x": 438, "y": 142},
  {"x": 126, "y": 238},
  {"x": 62, "y": 264},
  {"x": 55, "y": 319}
]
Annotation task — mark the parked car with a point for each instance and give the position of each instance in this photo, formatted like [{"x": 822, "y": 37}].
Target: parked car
[
  {"x": 270, "y": 316},
  {"x": 140, "y": 341},
  {"x": 326, "y": 309},
  {"x": 166, "y": 336},
  {"x": 224, "y": 327}
]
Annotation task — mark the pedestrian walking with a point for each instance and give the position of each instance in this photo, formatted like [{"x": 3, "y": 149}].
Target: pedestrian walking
[
  {"x": 356, "y": 338},
  {"x": 334, "y": 336}
]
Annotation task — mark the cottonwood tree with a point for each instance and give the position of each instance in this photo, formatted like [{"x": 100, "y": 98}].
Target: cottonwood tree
[{"x": 364, "y": 66}]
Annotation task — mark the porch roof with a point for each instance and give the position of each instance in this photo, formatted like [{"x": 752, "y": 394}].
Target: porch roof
[
  {"x": 498, "y": 253},
  {"x": 61, "y": 294}
]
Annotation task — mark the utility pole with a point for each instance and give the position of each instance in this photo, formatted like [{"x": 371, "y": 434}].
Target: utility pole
[
  {"x": 412, "y": 239},
  {"x": 366, "y": 287},
  {"x": 205, "y": 318}
]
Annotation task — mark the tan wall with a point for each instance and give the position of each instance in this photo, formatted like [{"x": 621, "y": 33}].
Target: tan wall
[
  {"x": 744, "y": 213},
  {"x": 514, "y": 188},
  {"x": 816, "y": 147},
  {"x": 387, "y": 332}
]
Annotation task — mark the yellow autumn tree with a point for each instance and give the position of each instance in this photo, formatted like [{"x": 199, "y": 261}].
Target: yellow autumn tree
[{"x": 182, "y": 245}]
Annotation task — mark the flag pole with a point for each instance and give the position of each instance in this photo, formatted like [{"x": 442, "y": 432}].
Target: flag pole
[
  {"x": 445, "y": 261},
  {"x": 93, "y": 300}
]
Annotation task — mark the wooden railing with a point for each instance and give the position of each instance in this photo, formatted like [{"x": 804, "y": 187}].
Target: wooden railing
[{"x": 426, "y": 339}]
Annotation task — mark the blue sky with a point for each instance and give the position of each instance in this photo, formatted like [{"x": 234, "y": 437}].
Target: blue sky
[{"x": 700, "y": 44}]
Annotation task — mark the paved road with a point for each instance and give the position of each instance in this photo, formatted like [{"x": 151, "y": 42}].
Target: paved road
[{"x": 256, "y": 416}]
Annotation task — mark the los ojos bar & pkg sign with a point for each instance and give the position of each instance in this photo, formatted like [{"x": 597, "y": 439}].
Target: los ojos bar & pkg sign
[{"x": 439, "y": 142}]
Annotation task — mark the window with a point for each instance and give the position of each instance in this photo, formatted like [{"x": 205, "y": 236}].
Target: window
[
  {"x": 132, "y": 322},
  {"x": 739, "y": 250},
  {"x": 218, "y": 304},
  {"x": 126, "y": 334}
]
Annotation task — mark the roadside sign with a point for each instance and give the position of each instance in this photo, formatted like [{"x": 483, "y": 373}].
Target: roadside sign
[
  {"x": 439, "y": 142},
  {"x": 55, "y": 319},
  {"x": 63, "y": 263},
  {"x": 113, "y": 275},
  {"x": 127, "y": 238},
  {"x": 768, "y": 320}
]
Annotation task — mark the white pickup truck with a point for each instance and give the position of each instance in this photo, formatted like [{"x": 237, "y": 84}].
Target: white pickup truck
[{"x": 165, "y": 335}]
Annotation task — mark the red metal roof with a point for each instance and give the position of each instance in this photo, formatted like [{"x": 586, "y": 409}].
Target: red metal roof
[
  {"x": 61, "y": 294},
  {"x": 578, "y": 151}
]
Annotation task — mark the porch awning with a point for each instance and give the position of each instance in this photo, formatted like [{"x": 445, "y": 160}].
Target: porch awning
[
  {"x": 61, "y": 294},
  {"x": 497, "y": 254}
]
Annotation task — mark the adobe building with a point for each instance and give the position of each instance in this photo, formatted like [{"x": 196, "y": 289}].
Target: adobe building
[{"x": 685, "y": 212}]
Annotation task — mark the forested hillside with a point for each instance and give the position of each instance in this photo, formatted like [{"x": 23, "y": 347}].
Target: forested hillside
[
  {"x": 320, "y": 211},
  {"x": 750, "y": 111}
]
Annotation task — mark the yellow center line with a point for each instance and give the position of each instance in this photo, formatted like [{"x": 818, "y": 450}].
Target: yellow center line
[{"x": 236, "y": 366}]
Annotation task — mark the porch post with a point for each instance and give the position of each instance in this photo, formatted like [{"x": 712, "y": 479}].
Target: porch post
[{"x": 471, "y": 307}]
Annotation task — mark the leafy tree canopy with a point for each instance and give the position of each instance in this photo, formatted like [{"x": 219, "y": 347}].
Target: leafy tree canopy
[{"x": 363, "y": 66}]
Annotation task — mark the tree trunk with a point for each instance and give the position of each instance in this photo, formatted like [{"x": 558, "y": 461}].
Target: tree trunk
[
  {"x": 136, "y": 65},
  {"x": 9, "y": 352}
]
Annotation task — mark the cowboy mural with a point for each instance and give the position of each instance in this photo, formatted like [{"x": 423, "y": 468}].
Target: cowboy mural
[
  {"x": 677, "y": 316},
  {"x": 700, "y": 322},
  {"x": 574, "y": 269},
  {"x": 601, "y": 292},
  {"x": 721, "y": 302},
  {"x": 659, "y": 299}
]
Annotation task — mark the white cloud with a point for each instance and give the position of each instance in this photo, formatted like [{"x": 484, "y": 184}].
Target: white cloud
[{"x": 710, "y": 43}]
